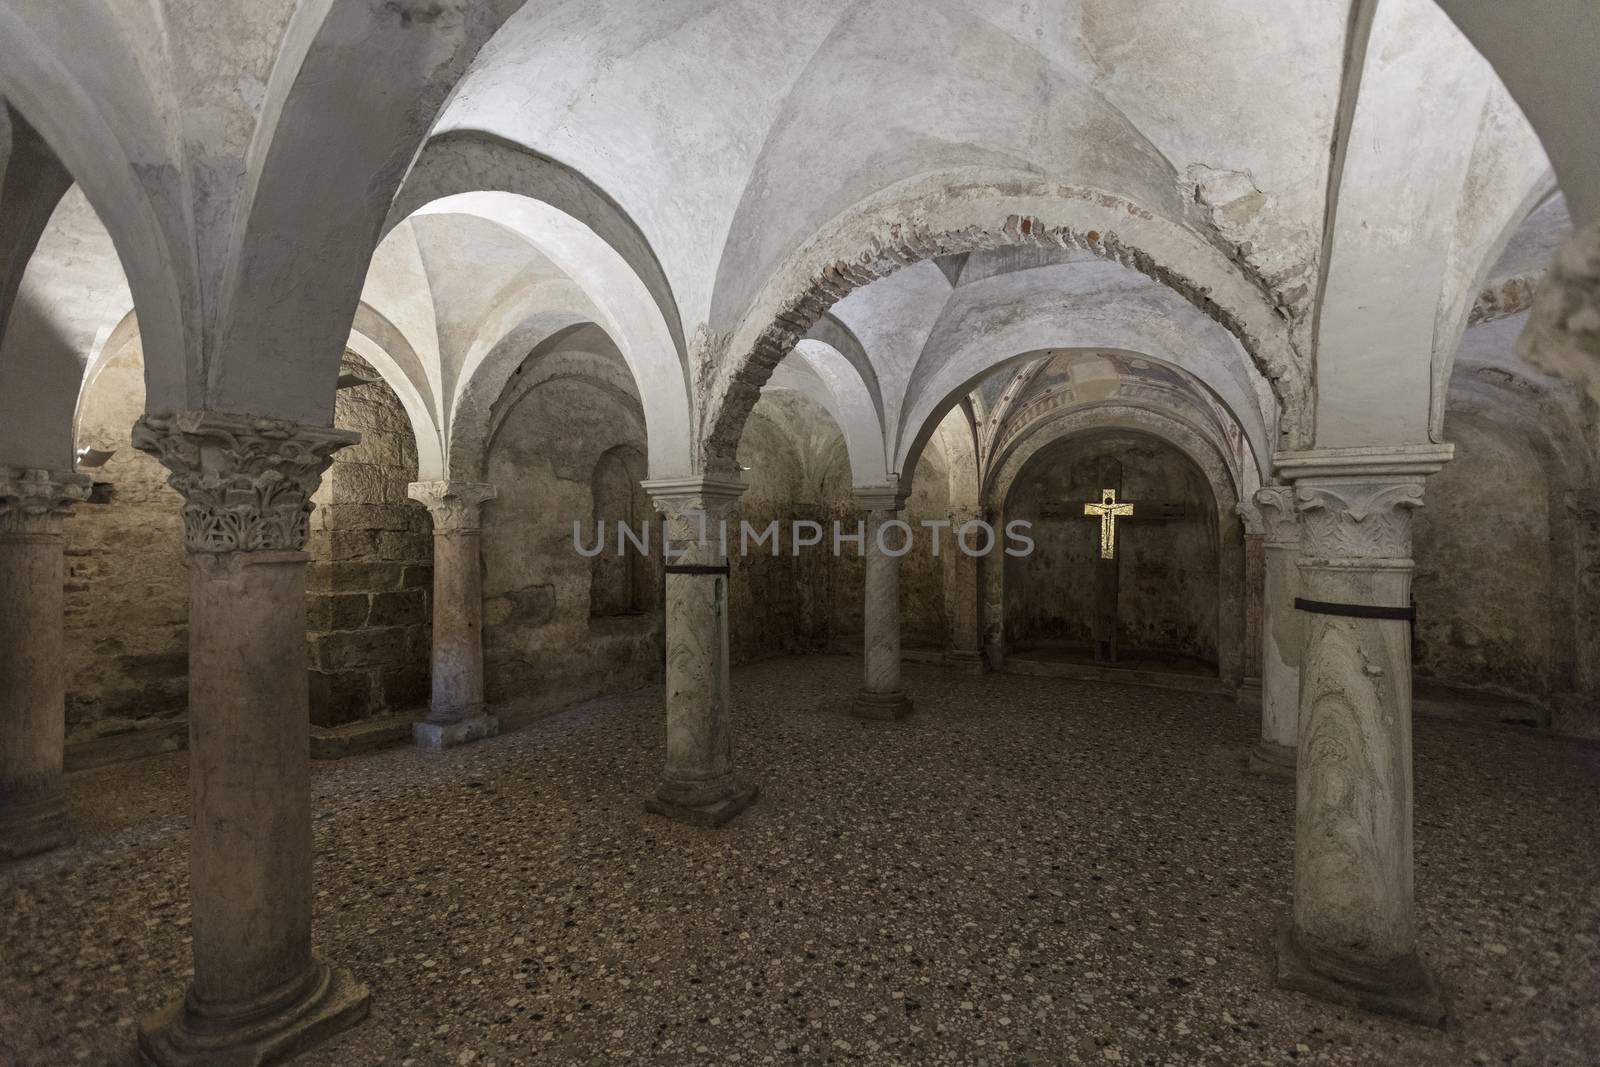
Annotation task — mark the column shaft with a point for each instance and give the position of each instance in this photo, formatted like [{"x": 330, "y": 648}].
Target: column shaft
[
  {"x": 456, "y": 711},
  {"x": 33, "y": 797},
  {"x": 1352, "y": 937},
  {"x": 1282, "y": 634},
  {"x": 882, "y": 695},
  {"x": 258, "y": 993},
  {"x": 698, "y": 782},
  {"x": 964, "y": 594},
  {"x": 250, "y": 775}
]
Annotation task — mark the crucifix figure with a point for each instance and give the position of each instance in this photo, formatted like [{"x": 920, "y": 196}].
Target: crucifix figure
[
  {"x": 1109, "y": 511},
  {"x": 1107, "y": 577}
]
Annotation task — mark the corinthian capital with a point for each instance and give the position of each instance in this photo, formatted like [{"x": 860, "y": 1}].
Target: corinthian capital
[
  {"x": 246, "y": 481},
  {"x": 1358, "y": 520},
  {"x": 454, "y": 505},
  {"x": 35, "y": 501},
  {"x": 1279, "y": 519},
  {"x": 1356, "y": 503}
]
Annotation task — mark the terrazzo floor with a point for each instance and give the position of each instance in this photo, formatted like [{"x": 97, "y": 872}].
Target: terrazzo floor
[{"x": 1027, "y": 871}]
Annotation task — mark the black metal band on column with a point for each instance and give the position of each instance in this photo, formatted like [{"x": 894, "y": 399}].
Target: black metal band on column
[
  {"x": 696, "y": 568},
  {"x": 1356, "y": 611}
]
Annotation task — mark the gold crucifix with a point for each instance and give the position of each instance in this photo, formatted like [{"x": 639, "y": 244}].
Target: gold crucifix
[{"x": 1109, "y": 511}]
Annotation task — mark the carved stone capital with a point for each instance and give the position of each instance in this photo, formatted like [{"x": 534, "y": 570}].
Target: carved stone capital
[
  {"x": 1279, "y": 519},
  {"x": 1351, "y": 520},
  {"x": 455, "y": 506},
  {"x": 33, "y": 502},
  {"x": 1355, "y": 503},
  {"x": 246, "y": 480},
  {"x": 693, "y": 506},
  {"x": 887, "y": 499}
]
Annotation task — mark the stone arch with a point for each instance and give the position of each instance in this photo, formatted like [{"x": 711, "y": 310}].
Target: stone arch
[
  {"x": 968, "y": 219},
  {"x": 472, "y": 424},
  {"x": 613, "y": 297},
  {"x": 959, "y": 352},
  {"x": 1187, "y": 440},
  {"x": 956, "y": 435},
  {"x": 579, "y": 353},
  {"x": 466, "y": 161},
  {"x": 1455, "y": 319},
  {"x": 821, "y": 372}
]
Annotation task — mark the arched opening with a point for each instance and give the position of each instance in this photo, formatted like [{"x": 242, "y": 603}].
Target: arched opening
[{"x": 1151, "y": 604}]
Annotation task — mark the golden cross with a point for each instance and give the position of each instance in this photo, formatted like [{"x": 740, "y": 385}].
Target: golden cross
[{"x": 1109, "y": 511}]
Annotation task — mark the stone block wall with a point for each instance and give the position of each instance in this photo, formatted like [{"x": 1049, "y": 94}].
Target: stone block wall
[
  {"x": 371, "y": 576},
  {"x": 127, "y": 607},
  {"x": 544, "y": 646}
]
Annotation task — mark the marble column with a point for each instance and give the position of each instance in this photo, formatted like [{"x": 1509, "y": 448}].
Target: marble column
[
  {"x": 33, "y": 795},
  {"x": 1282, "y": 633},
  {"x": 455, "y": 712},
  {"x": 882, "y": 696},
  {"x": 1352, "y": 934},
  {"x": 698, "y": 782},
  {"x": 258, "y": 992},
  {"x": 963, "y": 592}
]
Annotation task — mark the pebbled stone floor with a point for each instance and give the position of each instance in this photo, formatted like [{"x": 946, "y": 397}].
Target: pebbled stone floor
[{"x": 1027, "y": 871}]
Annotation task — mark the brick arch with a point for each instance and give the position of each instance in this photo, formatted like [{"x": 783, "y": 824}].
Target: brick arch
[{"x": 1264, "y": 336}]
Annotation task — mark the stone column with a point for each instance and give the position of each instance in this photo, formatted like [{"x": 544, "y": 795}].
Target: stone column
[
  {"x": 1282, "y": 633},
  {"x": 33, "y": 794},
  {"x": 882, "y": 696},
  {"x": 963, "y": 592},
  {"x": 1254, "y": 561},
  {"x": 698, "y": 783},
  {"x": 455, "y": 712},
  {"x": 258, "y": 992},
  {"x": 993, "y": 617},
  {"x": 1352, "y": 936}
]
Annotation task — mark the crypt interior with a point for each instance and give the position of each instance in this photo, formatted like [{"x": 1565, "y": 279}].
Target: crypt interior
[{"x": 1181, "y": 644}]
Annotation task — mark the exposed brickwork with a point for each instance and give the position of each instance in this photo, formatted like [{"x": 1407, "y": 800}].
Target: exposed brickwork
[{"x": 906, "y": 245}]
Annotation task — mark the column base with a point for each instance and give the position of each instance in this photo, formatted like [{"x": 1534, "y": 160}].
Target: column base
[
  {"x": 968, "y": 660},
  {"x": 330, "y": 1002},
  {"x": 710, "y": 814},
  {"x": 34, "y": 827},
  {"x": 883, "y": 707},
  {"x": 435, "y": 736},
  {"x": 1406, "y": 991},
  {"x": 1277, "y": 761}
]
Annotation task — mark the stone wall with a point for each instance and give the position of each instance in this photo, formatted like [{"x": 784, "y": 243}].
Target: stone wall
[
  {"x": 1482, "y": 545},
  {"x": 369, "y": 582},
  {"x": 127, "y": 607},
  {"x": 1167, "y": 597},
  {"x": 544, "y": 645}
]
